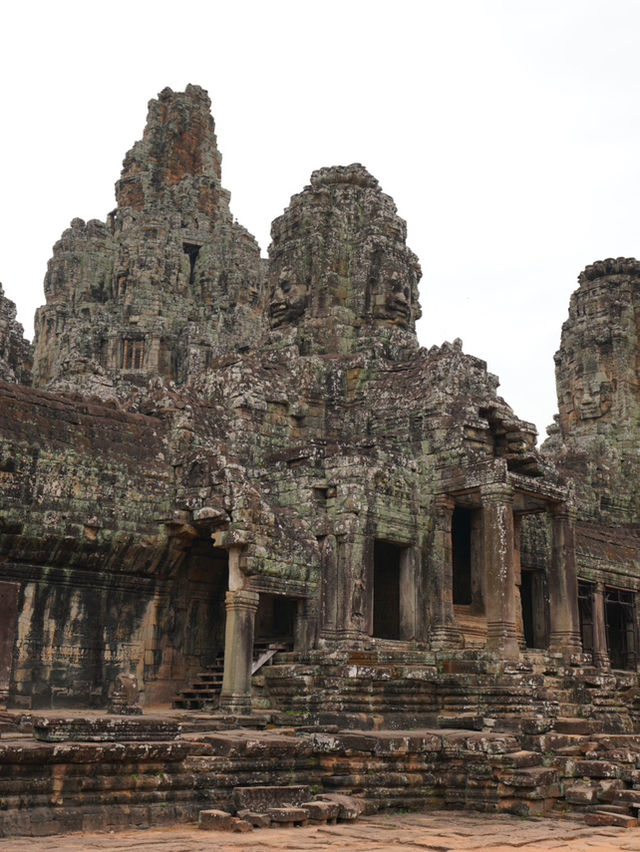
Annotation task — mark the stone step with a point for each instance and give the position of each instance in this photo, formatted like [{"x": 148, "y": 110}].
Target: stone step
[
  {"x": 198, "y": 693},
  {"x": 105, "y": 729},
  {"x": 576, "y": 725},
  {"x": 198, "y": 687},
  {"x": 466, "y": 721},
  {"x": 604, "y": 817}
]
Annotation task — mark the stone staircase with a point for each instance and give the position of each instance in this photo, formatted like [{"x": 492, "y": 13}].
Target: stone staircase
[
  {"x": 467, "y": 690},
  {"x": 204, "y": 691}
]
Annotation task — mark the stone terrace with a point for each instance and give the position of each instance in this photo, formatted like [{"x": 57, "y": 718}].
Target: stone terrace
[{"x": 80, "y": 773}]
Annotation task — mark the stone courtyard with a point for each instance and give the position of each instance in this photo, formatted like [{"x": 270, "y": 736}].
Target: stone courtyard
[{"x": 432, "y": 832}]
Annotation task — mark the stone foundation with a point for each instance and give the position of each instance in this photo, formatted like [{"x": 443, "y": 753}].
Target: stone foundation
[{"x": 48, "y": 788}]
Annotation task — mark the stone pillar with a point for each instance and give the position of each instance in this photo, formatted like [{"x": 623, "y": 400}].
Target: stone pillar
[
  {"x": 9, "y": 595},
  {"x": 354, "y": 599},
  {"x": 329, "y": 588},
  {"x": 517, "y": 574},
  {"x": 563, "y": 587},
  {"x": 235, "y": 695},
  {"x": 444, "y": 632},
  {"x": 497, "y": 516},
  {"x": 600, "y": 650},
  {"x": 408, "y": 596},
  {"x": 305, "y": 627}
]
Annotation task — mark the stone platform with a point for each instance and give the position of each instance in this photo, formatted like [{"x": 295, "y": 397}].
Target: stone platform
[{"x": 62, "y": 787}]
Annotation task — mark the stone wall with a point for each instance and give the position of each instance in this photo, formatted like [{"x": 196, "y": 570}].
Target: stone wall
[
  {"x": 64, "y": 787},
  {"x": 97, "y": 586}
]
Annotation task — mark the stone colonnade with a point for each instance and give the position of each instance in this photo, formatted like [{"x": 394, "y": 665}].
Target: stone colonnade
[
  {"x": 500, "y": 557},
  {"x": 500, "y": 548}
]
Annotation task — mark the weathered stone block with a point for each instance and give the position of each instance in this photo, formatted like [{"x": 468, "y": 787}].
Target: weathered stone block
[
  {"x": 322, "y": 811},
  {"x": 350, "y": 808},
  {"x": 607, "y": 818},
  {"x": 241, "y": 826},
  {"x": 597, "y": 769},
  {"x": 257, "y": 820},
  {"x": 261, "y": 798},
  {"x": 581, "y": 794},
  {"x": 288, "y": 816},
  {"x": 104, "y": 729},
  {"x": 215, "y": 820}
]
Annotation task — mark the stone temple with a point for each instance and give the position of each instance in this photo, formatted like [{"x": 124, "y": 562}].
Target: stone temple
[{"x": 237, "y": 491}]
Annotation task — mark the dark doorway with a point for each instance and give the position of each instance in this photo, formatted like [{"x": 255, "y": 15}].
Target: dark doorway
[
  {"x": 621, "y": 634},
  {"x": 386, "y": 589},
  {"x": 275, "y": 619},
  {"x": 201, "y": 593},
  {"x": 461, "y": 546},
  {"x": 534, "y": 611},
  {"x": 585, "y": 610}
]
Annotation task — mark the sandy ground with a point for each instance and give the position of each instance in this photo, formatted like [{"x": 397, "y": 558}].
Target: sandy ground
[{"x": 432, "y": 832}]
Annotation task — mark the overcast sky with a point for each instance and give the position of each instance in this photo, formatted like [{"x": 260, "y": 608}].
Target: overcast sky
[{"x": 507, "y": 131}]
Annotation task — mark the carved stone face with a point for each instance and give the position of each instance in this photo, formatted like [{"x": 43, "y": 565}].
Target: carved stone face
[
  {"x": 593, "y": 397},
  {"x": 392, "y": 299},
  {"x": 288, "y": 299}
]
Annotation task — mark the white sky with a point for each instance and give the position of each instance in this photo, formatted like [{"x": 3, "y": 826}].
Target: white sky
[{"x": 507, "y": 131}]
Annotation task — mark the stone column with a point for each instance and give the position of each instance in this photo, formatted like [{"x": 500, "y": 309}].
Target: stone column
[
  {"x": 329, "y": 588},
  {"x": 305, "y": 627},
  {"x": 354, "y": 600},
  {"x": 409, "y": 560},
  {"x": 517, "y": 574},
  {"x": 235, "y": 695},
  {"x": 497, "y": 516},
  {"x": 9, "y": 594},
  {"x": 444, "y": 632},
  {"x": 563, "y": 587},
  {"x": 600, "y": 650}
]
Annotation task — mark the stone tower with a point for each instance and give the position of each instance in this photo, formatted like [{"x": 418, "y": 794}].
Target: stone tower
[
  {"x": 169, "y": 280},
  {"x": 15, "y": 351},
  {"x": 598, "y": 363},
  {"x": 341, "y": 278},
  {"x": 598, "y": 385}
]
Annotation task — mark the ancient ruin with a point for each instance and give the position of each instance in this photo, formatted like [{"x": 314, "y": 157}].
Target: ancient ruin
[{"x": 236, "y": 491}]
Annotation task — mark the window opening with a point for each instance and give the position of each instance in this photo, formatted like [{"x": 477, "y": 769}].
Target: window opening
[
  {"x": 621, "y": 634},
  {"x": 585, "y": 610},
  {"x": 132, "y": 354}
]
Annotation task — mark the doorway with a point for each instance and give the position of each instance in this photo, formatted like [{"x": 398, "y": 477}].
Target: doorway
[
  {"x": 621, "y": 633},
  {"x": 534, "y": 609},
  {"x": 276, "y": 619},
  {"x": 387, "y": 561}
]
